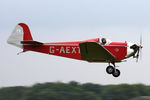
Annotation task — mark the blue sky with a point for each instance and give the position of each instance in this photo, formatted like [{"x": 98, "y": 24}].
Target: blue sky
[{"x": 69, "y": 20}]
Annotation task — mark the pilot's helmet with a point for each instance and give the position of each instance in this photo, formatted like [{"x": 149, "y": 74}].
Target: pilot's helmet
[{"x": 103, "y": 40}]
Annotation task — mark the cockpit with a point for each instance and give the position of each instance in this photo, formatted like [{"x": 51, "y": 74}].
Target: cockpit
[{"x": 105, "y": 41}]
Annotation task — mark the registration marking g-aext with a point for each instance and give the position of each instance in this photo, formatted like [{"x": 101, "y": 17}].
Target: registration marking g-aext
[{"x": 65, "y": 49}]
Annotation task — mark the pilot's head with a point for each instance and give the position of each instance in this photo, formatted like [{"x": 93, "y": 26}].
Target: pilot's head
[{"x": 103, "y": 40}]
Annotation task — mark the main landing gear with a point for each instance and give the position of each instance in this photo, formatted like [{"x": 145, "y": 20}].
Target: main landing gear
[{"x": 112, "y": 70}]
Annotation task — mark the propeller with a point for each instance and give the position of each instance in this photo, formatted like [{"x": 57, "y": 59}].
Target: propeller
[{"x": 139, "y": 50}]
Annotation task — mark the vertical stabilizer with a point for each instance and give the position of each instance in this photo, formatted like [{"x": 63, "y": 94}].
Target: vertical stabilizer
[{"x": 20, "y": 33}]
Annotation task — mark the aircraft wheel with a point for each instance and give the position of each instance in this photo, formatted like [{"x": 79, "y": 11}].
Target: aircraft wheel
[
  {"x": 110, "y": 69},
  {"x": 116, "y": 73}
]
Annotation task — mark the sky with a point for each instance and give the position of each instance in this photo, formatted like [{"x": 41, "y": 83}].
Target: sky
[{"x": 71, "y": 20}]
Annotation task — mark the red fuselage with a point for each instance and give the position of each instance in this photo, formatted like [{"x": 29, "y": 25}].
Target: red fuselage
[{"x": 72, "y": 50}]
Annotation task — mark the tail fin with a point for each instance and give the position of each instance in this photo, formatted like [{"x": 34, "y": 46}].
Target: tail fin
[{"x": 20, "y": 33}]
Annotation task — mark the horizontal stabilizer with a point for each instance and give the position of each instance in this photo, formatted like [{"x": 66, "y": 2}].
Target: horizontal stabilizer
[{"x": 36, "y": 43}]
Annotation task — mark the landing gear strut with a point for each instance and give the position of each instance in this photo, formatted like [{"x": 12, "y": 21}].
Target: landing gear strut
[{"x": 112, "y": 70}]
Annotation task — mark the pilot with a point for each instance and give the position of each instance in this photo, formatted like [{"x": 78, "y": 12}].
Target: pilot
[{"x": 103, "y": 41}]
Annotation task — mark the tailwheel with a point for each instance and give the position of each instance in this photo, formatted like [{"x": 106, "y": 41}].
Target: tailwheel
[
  {"x": 110, "y": 69},
  {"x": 116, "y": 73}
]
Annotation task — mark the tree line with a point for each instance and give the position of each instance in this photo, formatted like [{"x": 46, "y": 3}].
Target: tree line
[{"x": 74, "y": 91}]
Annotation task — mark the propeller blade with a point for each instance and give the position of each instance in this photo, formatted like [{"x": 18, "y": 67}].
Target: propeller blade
[
  {"x": 137, "y": 56},
  {"x": 140, "y": 54},
  {"x": 141, "y": 39}
]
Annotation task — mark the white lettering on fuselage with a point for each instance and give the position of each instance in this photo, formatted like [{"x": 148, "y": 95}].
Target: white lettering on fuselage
[
  {"x": 51, "y": 49},
  {"x": 67, "y": 49},
  {"x": 64, "y": 49},
  {"x": 73, "y": 49}
]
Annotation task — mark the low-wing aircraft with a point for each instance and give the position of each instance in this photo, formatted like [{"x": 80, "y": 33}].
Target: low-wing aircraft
[{"x": 92, "y": 50}]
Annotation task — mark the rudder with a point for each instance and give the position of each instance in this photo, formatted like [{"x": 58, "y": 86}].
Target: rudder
[{"x": 20, "y": 33}]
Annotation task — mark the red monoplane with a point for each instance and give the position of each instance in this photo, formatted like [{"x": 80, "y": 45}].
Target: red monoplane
[{"x": 92, "y": 50}]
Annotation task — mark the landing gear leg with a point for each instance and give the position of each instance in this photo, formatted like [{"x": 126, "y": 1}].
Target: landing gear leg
[{"x": 112, "y": 70}]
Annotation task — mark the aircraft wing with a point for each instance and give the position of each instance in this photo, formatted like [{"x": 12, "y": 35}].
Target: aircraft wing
[
  {"x": 35, "y": 43},
  {"x": 92, "y": 51}
]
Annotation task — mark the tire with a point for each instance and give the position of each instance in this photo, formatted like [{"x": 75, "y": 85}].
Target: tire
[
  {"x": 110, "y": 69},
  {"x": 116, "y": 73}
]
